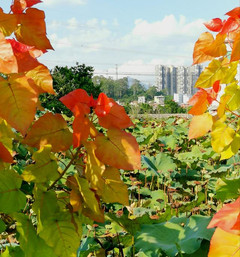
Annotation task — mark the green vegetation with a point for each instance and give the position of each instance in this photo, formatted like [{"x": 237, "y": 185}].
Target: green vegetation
[
  {"x": 65, "y": 80},
  {"x": 181, "y": 185}
]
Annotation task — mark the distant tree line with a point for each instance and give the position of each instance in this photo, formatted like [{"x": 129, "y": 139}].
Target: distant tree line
[
  {"x": 67, "y": 79},
  {"x": 126, "y": 90}
]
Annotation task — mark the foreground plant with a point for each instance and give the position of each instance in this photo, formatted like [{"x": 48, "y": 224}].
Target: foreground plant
[
  {"x": 224, "y": 53},
  {"x": 54, "y": 174}
]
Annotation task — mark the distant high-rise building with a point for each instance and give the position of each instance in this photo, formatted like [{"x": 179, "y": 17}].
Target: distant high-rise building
[{"x": 177, "y": 79}]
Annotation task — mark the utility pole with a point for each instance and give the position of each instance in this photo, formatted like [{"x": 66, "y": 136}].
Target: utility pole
[{"x": 116, "y": 71}]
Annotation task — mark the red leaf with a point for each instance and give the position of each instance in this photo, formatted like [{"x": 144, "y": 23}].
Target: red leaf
[
  {"x": 4, "y": 154},
  {"x": 213, "y": 92},
  {"x": 103, "y": 105},
  {"x": 30, "y": 3},
  {"x": 214, "y": 25},
  {"x": 78, "y": 101},
  {"x": 230, "y": 25},
  {"x": 235, "y": 13},
  {"x": 227, "y": 218}
]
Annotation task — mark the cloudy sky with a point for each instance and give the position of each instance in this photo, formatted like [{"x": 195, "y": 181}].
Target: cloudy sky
[{"x": 130, "y": 36}]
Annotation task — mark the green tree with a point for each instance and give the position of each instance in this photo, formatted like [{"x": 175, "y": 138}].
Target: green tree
[{"x": 67, "y": 79}]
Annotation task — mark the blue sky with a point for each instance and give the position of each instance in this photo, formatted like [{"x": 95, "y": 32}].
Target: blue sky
[{"x": 134, "y": 34}]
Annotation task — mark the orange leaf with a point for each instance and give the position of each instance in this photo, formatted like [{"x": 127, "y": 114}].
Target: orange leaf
[
  {"x": 4, "y": 154},
  {"x": 203, "y": 98},
  {"x": 32, "y": 29},
  {"x": 42, "y": 78},
  {"x": 18, "y": 6},
  {"x": 116, "y": 118},
  {"x": 217, "y": 47},
  {"x": 81, "y": 130},
  {"x": 224, "y": 244},
  {"x": 50, "y": 129},
  {"x": 8, "y": 62},
  {"x": 8, "y": 23},
  {"x": 119, "y": 149},
  {"x": 204, "y": 41},
  {"x": 18, "y": 101},
  {"x": 200, "y": 125},
  {"x": 199, "y": 102},
  {"x": 78, "y": 101},
  {"x": 227, "y": 217},
  {"x": 236, "y": 49}
]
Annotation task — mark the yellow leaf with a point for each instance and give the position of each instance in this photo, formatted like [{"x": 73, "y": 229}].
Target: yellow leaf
[
  {"x": 215, "y": 71},
  {"x": 223, "y": 105},
  {"x": 224, "y": 244},
  {"x": 200, "y": 125},
  {"x": 232, "y": 149},
  {"x": 91, "y": 206},
  {"x": 233, "y": 90},
  {"x": 114, "y": 191},
  {"x": 75, "y": 201},
  {"x": 44, "y": 169},
  {"x": 222, "y": 136},
  {"x": 42, "y": 78},
  {"x": 18, "y": 101},
  {"x": 230, "y": 73},
  {"x": 94, "y": 168}
]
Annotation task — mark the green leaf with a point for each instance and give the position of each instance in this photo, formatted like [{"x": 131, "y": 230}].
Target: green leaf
[
  {"x": 30, "y": 242},
  {"x": 62, "y": 234},
  {"x": 45, "y": 206},
  {"x": 150, "y": 165},
  {"x": 11, "y": 198},
  {"x": 88, "y": 246},
  {"x": 2, "y": 226},
  {"x": 172, "y": 237},
  {"x": 190, "y": 205},
  {"x": 169, "y": 141},
  {"x": 163, "y": 162},
  {"x": 13, "y": 252},
  {"x": 227, "y": 189},
  {"x": 44, "y": 169}
]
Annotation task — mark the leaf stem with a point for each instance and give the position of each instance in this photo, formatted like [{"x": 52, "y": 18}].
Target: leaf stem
[{"x": 65, "y": 170}]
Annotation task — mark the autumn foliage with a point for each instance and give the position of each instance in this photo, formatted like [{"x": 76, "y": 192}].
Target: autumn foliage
[
  {"x": 60, "y": 198},
  {"x": 223, "y": 52},
  {"x": 73, "y": 166}
]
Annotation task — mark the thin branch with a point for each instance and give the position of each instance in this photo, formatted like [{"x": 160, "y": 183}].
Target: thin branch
[{"x": 65, "y": 170}]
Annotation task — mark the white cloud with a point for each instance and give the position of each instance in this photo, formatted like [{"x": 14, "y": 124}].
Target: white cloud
[
  {"x": 60, "y": 2},
  {"x": 168, "y": 41}
]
